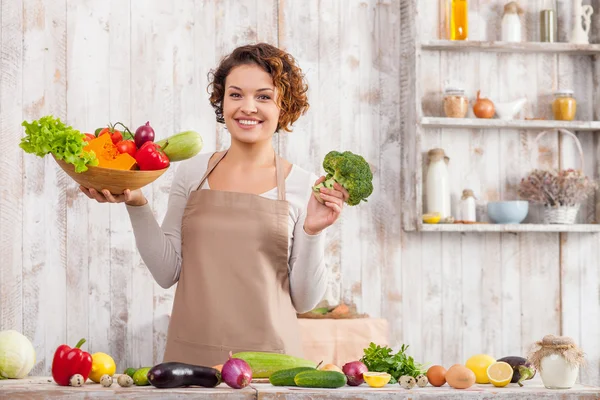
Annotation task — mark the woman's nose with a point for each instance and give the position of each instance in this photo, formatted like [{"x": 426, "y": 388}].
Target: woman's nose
[{"x": 248, "y": 106}]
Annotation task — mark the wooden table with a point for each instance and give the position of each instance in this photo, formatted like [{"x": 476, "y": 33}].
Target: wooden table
[{"x": 37, "y": 388}]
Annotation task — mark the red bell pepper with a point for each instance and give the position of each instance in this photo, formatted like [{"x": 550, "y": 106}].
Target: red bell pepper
[
  {"x": 70, "y": 361},
  {"x": 151, "y": 157}
]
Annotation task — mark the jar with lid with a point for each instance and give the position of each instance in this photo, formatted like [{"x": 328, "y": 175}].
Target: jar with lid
[
  {"x": 557, "y": 358},
  {"x": 456, "y": 104},
  {"x": 467, "y": 206},
  {"x": 437, "y": 187},
  {"x": 564, "y": 106}
]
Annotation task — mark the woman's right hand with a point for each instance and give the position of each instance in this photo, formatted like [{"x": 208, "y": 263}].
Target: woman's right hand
[{"x": 129, "y": 197}]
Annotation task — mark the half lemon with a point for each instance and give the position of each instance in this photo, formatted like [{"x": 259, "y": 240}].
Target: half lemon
[
  {"x": 376, "y": 379},
  {"x": 500, "y": 373}
]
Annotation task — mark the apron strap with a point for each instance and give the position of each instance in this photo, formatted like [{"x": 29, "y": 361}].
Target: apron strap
[
  {"x": 280, "y": 178},
  {"x": 210, "y": 169},
  {"x": 278, "y": 171}
]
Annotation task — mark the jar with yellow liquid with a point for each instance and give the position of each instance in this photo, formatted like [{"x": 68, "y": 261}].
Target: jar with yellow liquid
[
  {"x": 457, "y": 14},
  {"x": 564, "y": 106}
]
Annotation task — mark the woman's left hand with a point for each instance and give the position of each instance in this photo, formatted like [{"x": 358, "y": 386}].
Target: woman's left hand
[{"x": 320, "y": 216}]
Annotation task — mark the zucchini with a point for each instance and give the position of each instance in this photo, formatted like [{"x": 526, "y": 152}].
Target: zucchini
[
  {"x": 321, "y": 379},
  {"x": 181, "y": 146},
  {"x": 285, "y": 377},
  {"x": 264, "y": 364}
]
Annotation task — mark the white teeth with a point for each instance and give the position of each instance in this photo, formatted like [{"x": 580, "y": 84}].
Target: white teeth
[{"x": 246, "y": 122}]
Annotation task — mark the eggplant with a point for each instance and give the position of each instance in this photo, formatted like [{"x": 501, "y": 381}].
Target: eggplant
[
  {"x": 522, "y": 369},
  {"x": 176, "y": 374}
]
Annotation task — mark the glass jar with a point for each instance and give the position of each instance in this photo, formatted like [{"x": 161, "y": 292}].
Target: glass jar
[
  {"x": 456, "y": 104},
  {"x": 557, "y": 359},
  {"x": 437, "y": 188},
  {"x": 468, "y": 208},
  {"x": 564, "y": 106},
  {"x": 458, "y": 12}
]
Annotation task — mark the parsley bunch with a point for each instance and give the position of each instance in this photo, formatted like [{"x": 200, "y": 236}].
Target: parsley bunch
[
  {"x": 50, "y": 135},
  {"x": 382, "y": 359}
]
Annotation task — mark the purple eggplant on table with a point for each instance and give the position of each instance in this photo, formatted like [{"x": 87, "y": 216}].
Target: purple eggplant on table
[{"x": 523, "y": 369}]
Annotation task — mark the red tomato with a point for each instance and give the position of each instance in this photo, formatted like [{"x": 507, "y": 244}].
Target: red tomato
[
  {"x": 89, "y": 137},
  {"x": 115, "y": 135},
  {"x": 127, "y": 146}
]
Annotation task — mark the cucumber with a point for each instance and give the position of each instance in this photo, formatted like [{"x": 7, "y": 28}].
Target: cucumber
[
  {"x": 181, "y": 146},
  {"x": 264, "y": 364},
  {"x": 285, "y": 377},
  {"x": 320, "y": 379}
]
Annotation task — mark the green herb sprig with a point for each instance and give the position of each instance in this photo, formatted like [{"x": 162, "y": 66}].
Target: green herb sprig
[{"x": 382, "y": 359}]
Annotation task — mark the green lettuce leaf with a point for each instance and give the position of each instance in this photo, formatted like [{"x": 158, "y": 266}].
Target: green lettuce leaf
[{"x": 50, "y": 135}]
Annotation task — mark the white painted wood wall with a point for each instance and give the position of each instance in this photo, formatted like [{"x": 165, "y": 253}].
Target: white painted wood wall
[{"x": 69, "y": 267}]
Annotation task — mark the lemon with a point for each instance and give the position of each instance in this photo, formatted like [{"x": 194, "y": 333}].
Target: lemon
[
  {"x": 102, "y": 364},
  {"x": 500, "y": 373},
  {"x": 479, "y": 364},
  {"x": 432, "y": 218},
  {"x": 376, "y": 379}
]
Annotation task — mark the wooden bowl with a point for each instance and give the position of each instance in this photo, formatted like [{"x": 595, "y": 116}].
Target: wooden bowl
[{"x": 115, "y": 180}]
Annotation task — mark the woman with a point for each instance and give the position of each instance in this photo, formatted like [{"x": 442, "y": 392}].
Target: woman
[{"x": 243, "y": 235}]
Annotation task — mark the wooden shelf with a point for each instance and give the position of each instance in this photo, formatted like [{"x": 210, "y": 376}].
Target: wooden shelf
[
  {"x": 507, "y": 47},
  {"x": 509, "y": 228},
  {"x": 475, "y": 123}
]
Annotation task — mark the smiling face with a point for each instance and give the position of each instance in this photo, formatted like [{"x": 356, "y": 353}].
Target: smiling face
[{"x": 249, "y": 107}]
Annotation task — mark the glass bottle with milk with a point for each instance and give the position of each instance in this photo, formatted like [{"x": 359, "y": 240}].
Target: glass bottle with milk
[{"x": 437, "y": 186}]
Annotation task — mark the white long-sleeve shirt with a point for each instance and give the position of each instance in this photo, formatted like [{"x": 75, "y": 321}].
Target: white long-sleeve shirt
[{"x": 160, "y": 245}]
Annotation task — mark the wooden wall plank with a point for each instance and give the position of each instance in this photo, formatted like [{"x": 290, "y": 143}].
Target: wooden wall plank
[
  {"x": 151, "y": 99},
  {"x": 205, "y": 57},
  {"x": 540, "y": 291},
  {"x": 389, "y": 221},
  {"x": 369, "y": 146},
  {"x": 88, "y": 272},
  {"x": 452, "y": 300},
  {"x": 409, "y": 131},
  {"x": 183, "y": 114},
  {"x": 44, "y": 202},
  {"x": 352, "y": 122},
  {"x": 11, "y": 165},
  {"x": 309, "y": 31},
  {"x": 123, "y": 255}
]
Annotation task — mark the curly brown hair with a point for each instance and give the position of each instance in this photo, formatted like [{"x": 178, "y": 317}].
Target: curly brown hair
[{"x": 287, "y": 76}]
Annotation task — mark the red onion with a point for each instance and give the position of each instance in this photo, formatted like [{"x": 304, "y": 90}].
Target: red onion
[
  {"x": 354, "y": 372},
  {"x": 236, "y": 373},
  {"x": 144, "y": 134}
]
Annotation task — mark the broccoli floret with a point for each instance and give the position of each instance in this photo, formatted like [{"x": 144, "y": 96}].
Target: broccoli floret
[{"x": 349, "y": 170}]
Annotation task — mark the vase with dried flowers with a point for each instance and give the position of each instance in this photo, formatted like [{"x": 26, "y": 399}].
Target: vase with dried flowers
[{"x": 560, "y": 191}]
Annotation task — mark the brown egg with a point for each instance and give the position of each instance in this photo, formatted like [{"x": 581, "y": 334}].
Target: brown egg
[
  {"x": 460, "y": 377},
  {"x": 436, "y": 375}
]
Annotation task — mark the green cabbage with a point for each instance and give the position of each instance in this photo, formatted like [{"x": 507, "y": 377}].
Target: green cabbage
[{"x": 17, "y": 355}]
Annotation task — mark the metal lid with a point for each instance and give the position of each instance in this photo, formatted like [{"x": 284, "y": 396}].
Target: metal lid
[
  {"x": 454, "y": 90},
  {"x": 564, "y": 92}
]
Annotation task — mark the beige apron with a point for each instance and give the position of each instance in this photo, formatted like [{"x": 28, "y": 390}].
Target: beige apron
[{"x": 233, "y": 292}]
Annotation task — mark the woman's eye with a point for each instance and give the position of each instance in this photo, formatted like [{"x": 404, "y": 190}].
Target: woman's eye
[
  {"x": 264, "y": 97},
  {"x": 234, "y": 95}
]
